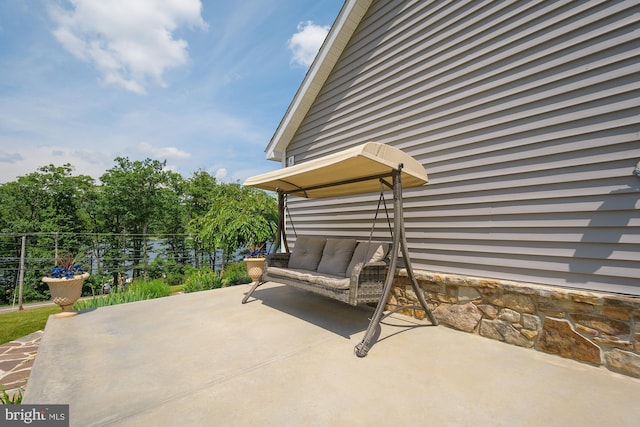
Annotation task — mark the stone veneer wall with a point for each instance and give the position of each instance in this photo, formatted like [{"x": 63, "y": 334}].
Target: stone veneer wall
[{"x": 590, "y": 327}]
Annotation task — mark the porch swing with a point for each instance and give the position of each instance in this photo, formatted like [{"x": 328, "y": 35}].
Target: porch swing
[{"x": 366, "y": 168}]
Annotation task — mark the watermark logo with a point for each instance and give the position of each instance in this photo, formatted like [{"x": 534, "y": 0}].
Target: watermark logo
[{"x": 35, "y": 415}]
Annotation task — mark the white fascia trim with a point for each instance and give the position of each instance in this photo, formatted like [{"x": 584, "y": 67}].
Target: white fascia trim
[{"x": 338, "y": 37}]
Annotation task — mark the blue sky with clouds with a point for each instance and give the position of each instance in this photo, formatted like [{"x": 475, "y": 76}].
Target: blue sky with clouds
[{"x": 200, "y": 84}]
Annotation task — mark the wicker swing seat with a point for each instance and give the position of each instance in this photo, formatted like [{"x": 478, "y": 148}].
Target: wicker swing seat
[{"x": 362, "y": 282}]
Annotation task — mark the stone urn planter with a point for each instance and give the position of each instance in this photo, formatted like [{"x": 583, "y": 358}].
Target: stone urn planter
[
  {"x": 65, "y": 292},
  {"x": 255, "y": 267}
]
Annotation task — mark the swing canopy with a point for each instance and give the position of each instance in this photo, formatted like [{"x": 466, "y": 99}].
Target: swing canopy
[{"x": 356, "y": 170}]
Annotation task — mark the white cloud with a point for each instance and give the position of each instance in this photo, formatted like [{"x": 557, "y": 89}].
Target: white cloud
[
  {"x": 129, "y": 42},
  {"x": 170, "y": 168},
  {"x": 31, "y": 157},
  {"x": 306, "y": 43},
  {"x": 221, "y": 173},
  {"x": 163, "y": 152}
]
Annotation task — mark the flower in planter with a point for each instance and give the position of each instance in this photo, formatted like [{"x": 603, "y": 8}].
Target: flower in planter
[
  {"x": 65, "y": 268},
  {"x": 257, "y": 251}
]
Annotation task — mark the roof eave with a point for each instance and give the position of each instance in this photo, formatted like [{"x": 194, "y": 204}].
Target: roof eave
[{"x": 343, "y": 28}]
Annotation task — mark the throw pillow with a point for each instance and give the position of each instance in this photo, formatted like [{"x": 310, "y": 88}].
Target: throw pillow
[
  {"x": 306, "y": 253},
  {"x": 367, "y": 252},
  {"x": 336, "y": 256}
]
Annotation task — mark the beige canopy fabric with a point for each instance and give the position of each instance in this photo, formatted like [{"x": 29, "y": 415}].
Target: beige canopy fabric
[{"x": 353, "y": 171}]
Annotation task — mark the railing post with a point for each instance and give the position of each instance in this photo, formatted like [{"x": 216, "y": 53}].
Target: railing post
[{"x": 21, "y": 273}]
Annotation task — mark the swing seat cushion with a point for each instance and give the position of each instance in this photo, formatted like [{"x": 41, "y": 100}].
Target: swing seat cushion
[
  {"x": 311, "y": 277},
  {"x": 307, "y": 253},
  {"x": 336, "y": 256}
]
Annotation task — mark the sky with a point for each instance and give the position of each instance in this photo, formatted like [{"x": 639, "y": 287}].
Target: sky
[{"x": 202, "y": 84}]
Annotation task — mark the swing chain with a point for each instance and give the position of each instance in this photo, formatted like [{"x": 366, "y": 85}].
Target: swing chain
[
  {"x": 381, "y": 200},
  {"x": 286, "y": 207}
]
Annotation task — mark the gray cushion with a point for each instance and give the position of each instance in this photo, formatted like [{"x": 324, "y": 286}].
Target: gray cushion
[
  {"x": 330, "y": 281},
  {"x": 306, "y": 253},
  {"x": 336, "y": 256},
  {"x": 305, "y": 276},
  {"x": 367, "y": 252},
  {"x": 290, "y": 273}
]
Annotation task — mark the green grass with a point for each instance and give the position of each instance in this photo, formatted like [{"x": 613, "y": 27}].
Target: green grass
[
  {"x": 176, "y": 289},
  {"x": 20, "y": 323}
]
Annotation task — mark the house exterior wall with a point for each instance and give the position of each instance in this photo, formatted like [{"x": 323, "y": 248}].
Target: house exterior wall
[{"x": 526, "y": 117}]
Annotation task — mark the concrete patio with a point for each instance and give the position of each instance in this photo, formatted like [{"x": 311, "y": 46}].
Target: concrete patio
[{"x": 286, "y": 359}]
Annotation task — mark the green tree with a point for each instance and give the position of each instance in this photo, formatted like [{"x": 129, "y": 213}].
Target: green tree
[
  {"x": 174, "y": 217},
  {"x": 240, "y": 217},
  {"x": 51, "y": 200},
  {"x": 113, "y": 220},
  {"x": 131, "y": 202},
  {"x": 200, "y": 195},
  {"x": 172, "y": 223}
]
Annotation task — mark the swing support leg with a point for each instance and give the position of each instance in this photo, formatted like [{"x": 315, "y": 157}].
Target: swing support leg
[
  {"x": 252, "y": 290},
  {"x": 399, "y": 242},
  {"x": 414, "y": 284}
]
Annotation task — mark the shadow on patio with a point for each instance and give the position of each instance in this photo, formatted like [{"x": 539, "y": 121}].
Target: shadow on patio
[{"x": 286, "y": 358}]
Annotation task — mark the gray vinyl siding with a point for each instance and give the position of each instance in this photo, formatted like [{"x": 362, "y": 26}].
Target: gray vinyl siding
[{"x": 525, "y": 115}]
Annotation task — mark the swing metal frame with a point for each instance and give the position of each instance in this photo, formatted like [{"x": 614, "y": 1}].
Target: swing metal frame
[{"x": 398, "y": 246}]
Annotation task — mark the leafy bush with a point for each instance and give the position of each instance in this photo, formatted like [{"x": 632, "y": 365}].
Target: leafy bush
[
  {"x": 174, "y": 278},
  {"x": 139, "y": 290},
  {"x": 166, "y": 268},
  {"x": 201, "y": 280},
  {"x": 93, "y": 284},
  {"x": 32, "y": 293},
  {"x": 157, "y": 268},
  {"x": 235, "y": 273},
  {"x": 149, "y": 289}
]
